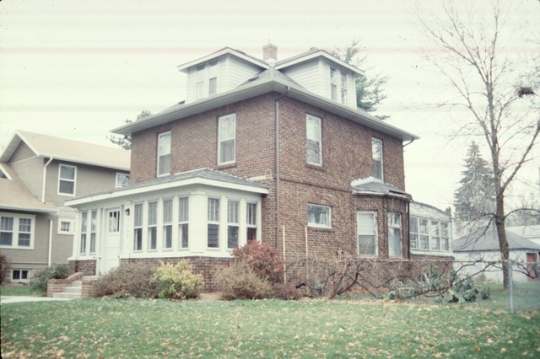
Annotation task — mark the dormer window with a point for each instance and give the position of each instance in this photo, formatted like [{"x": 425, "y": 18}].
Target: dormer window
[
  {"x": 333, "y": 83},
  {"x": 200, "y": 80},
  {"x": 343, "y": 88},
  {"x": 206, "y": 78},
  {"x": 212, "y": 81}
]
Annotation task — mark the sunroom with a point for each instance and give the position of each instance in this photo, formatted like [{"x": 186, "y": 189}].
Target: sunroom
[{"x": 200, "y": 213}]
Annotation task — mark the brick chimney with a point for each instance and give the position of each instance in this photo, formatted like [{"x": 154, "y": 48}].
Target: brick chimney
[{"x": 270, "y": 52}]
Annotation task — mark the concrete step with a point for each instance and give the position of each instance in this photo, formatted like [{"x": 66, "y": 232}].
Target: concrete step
[
  {"x": 76, "y": 283},
  {"x": 72, "y": 290},
  {"x": 90, "y": 277},
  {"x": 66, "y": 295}
]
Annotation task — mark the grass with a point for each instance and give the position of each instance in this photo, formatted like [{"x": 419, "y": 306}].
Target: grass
[
  {"x": 131, "y": 328},
  {"x": 13, "y": 290}
]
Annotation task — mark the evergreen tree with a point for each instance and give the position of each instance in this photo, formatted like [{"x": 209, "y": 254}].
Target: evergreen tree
[
  {"x": 475, "y": 196},
  {"x": 125, "y": 141}
]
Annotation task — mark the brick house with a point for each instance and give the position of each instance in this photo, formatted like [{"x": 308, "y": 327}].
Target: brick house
[
  {"x": 270, "y": 150},
  {"x": 37, "y": 174}
]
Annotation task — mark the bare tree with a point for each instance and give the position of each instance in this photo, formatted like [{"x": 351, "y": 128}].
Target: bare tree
[{"x": 473, "y": 51}]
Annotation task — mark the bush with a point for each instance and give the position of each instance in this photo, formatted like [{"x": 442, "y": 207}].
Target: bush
[
  {"x": 128, "y": 279},
  {"x": 238, "y": 280},
  {"x": 177, "y": 281},
  {"x": 39, "y": 278},
  {"x": 286, "y": 292},
  {"x": 5, "y": 267},
  {"x": 262, "y": 258}
]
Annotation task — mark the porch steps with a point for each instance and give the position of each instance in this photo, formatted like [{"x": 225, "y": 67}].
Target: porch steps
[{"x": 74, "y": 291}]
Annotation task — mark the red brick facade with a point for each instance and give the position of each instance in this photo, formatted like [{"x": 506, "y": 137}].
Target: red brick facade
[{"x": 346, "y": 156}]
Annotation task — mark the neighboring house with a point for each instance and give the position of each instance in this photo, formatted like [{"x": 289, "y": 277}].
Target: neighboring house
[
  {"x": 531, "y": 232},
  {"x": 482, "y": 244},
  {"x": 275, "y": 151},
  {"x": 430, "y": 232},
  {"x": 38, "y": 174}
]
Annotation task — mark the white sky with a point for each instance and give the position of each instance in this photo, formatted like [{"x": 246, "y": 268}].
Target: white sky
[{"x": 77, "y": 69}]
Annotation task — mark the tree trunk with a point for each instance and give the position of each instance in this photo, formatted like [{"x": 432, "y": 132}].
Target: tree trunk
[{"x": 501, "y": 233}]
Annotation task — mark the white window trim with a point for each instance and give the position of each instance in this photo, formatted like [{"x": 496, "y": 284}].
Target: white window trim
[
  {"x": 71, "y": 226},
  {"x": 429, "y": 236},
  {"x": 378, "y": 140},
  {"x": 120, "y": 174},
  {"x": 376, "y": 234},
  {"x": 233, "y": 115},
  {"x": 338, "y": 84},
  {"x": 15, "y": 239},
  {"x": 318, "y": 225},
  {"x": 67, "y": 180},
  {"x": 21, "y": 280},
  {"x": 162, "y": 134},
  {"x": 320, "y": 163},
  {"x": 395, "y": 226}
]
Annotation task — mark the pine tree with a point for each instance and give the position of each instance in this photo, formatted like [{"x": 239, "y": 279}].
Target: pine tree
[{"x": 475, "y": 197}]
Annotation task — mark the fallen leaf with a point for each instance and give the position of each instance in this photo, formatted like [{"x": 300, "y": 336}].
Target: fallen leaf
[
  {"x": 476, "y": 349},
  {"x": 503, "y": 350}
]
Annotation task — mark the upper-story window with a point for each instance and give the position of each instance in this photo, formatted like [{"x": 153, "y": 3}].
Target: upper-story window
[
  {"x": 200, "y": 80},
  {"x": 122, "y": 180},
  {"x": 377, "y": 156},
  {"x": 212, "y": 76},
  {"x": 206, "y": 77},
  {"x": 16, "y": 231},
  {"x": 313, "y": 140},
  {"x": 66, "y": 180},
  {"x": 227, "y": 139},
  {"x": 333, "y": 84},
  {"x": 343, "y": 88},
  {"x": 164, "y": 154}
]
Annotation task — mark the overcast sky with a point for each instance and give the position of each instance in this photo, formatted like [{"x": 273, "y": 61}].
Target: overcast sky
[{"x": 77, "y": 69}]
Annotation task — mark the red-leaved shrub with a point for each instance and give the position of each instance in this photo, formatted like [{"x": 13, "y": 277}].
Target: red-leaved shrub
[{"x": 262, "y": 258}]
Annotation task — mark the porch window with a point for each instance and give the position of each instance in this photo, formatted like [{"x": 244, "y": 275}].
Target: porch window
[
  {"x": 445, "y": 241},
  {"x": 367, "y": 233},
  {"x": 251, "y": 221},
  {"x": 66, "y": 180},
  {"x": 93, "y": 229},
  {"x": 164, "y": 154},
  {"x": 227, "y": 139},
  {"x": 213, "y": 223},
  {"x": 84, "y": 218},
  {"x": 183, "y": 222},
  {"x": 319, "y": 216},
  {"x": 377, "y": 157},
  {"x": 435, "y": 236},
  {"x": 167, "y": 223},
  {"x": 137, "y": 224},
  {"x": 313, "y": 140},
  {"x": 424, "y": 234},
  {"x": 233, "y": 226},
  {"x": 413, "y": 240},
  {"x": 152, "y": 225},
  {"x": 394, "y": 234}
]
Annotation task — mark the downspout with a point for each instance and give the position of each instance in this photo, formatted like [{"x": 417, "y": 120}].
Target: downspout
[
  {"x": 277, "y": 164},
  {"x": 50, "y": 242},
  {"x": 44, "y": 180},
  {"x": 411, "y": 141}
]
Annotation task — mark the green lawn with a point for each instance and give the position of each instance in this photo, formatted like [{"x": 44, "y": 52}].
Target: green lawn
[
  {"x": 129, "y": 328},
  {"x": 20, "y": 290}
]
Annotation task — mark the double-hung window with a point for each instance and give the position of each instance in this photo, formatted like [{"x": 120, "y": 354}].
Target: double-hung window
[
  {"x": 319, "y": 216},
  {"x": 213, "y": 223},
  {"x": 138, "y": 224},
  {"x": 435, "y": 236},
  {"x": 152, "y": 225},
  {"x": 413, "y": 240},
  {"x": 367, "y": 233},
  {"x": 394, "y": 234},
  {"x": 84, "y": 221},
  {"x": 445, "y": 239},
  {"x": 167, "y": 223},
  {"x": 93, "y": 229},
  {"x": 213, "y": 73},
  {"x": 313, "y": 140},
  {"x": 333, "y": 84},
  {"x": 66, "y": 180},
  {"x": 343, "y": 87},
  {"x": 164, "y": 154},
  {"x": 232, "y": 224},
  {"x": 251, "y": 221},
  {"x": 16, "y": 231},
  {"x": 423, "y": 236},
  {"x": 227, "y": 139},
  {"x": 200, "y": 81},
  {"x": 377, "y": 156},
  {"x": 183, "y": 222}
]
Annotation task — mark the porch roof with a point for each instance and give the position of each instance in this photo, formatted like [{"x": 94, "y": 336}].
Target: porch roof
[
  {"x": 204, "y": 176},
  {"x": 374, "y": 187}
]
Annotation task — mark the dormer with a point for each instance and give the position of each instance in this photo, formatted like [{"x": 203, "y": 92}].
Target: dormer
[
  {"x": 219, "y": 72},
  {"x": 320, "y": 72}
]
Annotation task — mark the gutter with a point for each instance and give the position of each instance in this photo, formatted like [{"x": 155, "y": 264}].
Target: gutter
[
  {"x": 45, "y": 179},
  {"x": 411, "y": 141},
  {"x": 50, "y": 242},
  {"x": 276, "y": 116}
]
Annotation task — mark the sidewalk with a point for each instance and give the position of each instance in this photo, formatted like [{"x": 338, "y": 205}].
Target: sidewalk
[{"x": 22, "y": 299}]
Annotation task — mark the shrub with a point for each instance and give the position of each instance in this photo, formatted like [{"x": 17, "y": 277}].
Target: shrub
[
  {"x": 239, "y": 281},
  {"x": 262, "y": 258},
  {"x": 177, "y": 281},
  {"x": 286, "y": 292},
  {"x": 5, "y": 267},
  {"x": 39, "y": 278},
  {"x": 128, "y": 279}
]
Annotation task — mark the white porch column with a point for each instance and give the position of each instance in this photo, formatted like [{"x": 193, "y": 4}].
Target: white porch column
[{"x": 223, "y": 220}]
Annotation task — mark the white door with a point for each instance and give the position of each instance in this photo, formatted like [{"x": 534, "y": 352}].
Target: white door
[{"x": 111, "y": 251}]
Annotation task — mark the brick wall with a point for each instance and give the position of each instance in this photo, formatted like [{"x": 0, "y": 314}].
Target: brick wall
[
  {"x": 207, "y": 266},
  {"x": 86, "y": 266}
]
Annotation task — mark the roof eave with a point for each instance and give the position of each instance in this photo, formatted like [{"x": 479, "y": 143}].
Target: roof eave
[
  {"x": 321, "y": 54},
  {"x": 227, "y": 50},
  {"x": 28, "y": 209}
]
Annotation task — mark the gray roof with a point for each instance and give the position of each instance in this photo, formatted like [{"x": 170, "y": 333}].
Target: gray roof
[
  {"x": 271, "y": 73},
  {"x": 486, "y": 239},
  {"x": 378, "y": 188},
  {"x": 203, "y": 173}
]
